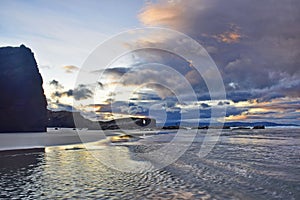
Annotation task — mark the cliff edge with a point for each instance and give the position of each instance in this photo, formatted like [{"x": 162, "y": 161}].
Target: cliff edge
[{"x": 22, "y": 102}]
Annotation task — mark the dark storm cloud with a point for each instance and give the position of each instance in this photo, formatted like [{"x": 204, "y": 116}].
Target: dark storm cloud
[{"x": 255, "y": 44}]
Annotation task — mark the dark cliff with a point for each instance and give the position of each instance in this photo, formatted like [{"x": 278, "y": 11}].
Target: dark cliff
[{"x": 22, "y": 102}]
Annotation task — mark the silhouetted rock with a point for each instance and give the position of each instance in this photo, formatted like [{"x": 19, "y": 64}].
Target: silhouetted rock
[
  {"x": 226, "y": 127},
  {"x": 202, "y": 127},
  {"x": 76, "y": 120},
  {"x": 22, "y": 103},
  {"x": 65, "y": 119},
  {"x": 212, "y": 127},
  {"x": 128, "y": 123},
  {"x": 171, "y": 127},
  {"x": 259, "y": 127}
]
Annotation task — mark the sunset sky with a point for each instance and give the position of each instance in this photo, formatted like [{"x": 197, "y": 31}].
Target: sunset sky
[{"x": 254, "y": 44}]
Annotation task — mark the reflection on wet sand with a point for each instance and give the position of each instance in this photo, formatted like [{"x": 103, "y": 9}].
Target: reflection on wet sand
[
  {"x": 15, "y": 159},
  {"x": 242, "y": 165}
]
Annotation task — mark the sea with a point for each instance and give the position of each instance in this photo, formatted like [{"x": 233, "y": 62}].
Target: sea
[{"x": 237, "y": 164}]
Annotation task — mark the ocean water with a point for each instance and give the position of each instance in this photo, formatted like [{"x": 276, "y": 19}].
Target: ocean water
[{"x": 243, "y": 164}]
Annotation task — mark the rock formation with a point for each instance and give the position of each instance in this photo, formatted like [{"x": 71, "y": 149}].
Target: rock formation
[
  {"x": 66, "y": 119},
  {"x": 22, "y": 102},
  {"x": 259, "y": 127}
]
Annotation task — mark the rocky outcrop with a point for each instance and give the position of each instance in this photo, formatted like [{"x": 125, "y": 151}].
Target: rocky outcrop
[
  {"x": 66, "y": 119},
  {"x": 171, "y": 127},
  {"x": 259, "y": 127},
  {"x": 22, "y": 102},
  {"x": 128, "y": 123}
]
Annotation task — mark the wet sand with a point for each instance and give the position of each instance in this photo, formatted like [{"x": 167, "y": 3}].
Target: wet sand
[{"x": 61, "y": 136}]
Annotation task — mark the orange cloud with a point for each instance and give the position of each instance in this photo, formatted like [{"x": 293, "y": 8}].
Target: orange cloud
[
  {"x": 228, "y": 37},
  {"x": 276, "y": 110},
  {"x": 70, "y": 68},
  {"x": 177, "y": 14},
  {"x": 160, "y": 14},
  {"x": 241, "y": 117}
]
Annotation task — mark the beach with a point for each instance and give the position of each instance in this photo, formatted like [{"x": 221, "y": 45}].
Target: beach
[{"x": 244, "y": 164}]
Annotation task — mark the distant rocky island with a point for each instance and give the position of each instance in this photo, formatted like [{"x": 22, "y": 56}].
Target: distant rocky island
[
  {"x": 226, "y": 125},
  {"x": 65, "y": 119}
]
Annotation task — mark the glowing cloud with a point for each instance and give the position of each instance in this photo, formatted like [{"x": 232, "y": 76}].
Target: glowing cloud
[
  {"x": 70, "y": 68},
  {"x": 160, "y": 14},
  {"x": 228, "y": 37}
]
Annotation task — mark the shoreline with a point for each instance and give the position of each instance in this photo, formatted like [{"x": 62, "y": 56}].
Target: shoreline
[
  {"x": 25, "y": 141},
  {"x": 67, "y": 136},
  {"x": 60, "y": 137}
]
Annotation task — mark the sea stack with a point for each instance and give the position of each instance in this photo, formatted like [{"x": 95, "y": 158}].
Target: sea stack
[{"x": 22, "y": 102}]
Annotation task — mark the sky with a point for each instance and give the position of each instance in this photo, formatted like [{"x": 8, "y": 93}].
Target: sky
[{"x": 255, "y": 46}]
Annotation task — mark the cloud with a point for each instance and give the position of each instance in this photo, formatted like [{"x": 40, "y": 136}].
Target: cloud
[
  {"x": 152, "y": 71},
  {"x": 58, "y": 94},
  {"x": 56, "y": 84},
  {"x": 256, "y": 46},
  {"x": 116, "y": 71},
  {"x": 56, "y": 106},
  {"x": 81, "y": 92},
  {"x": 161, "y": 14},
  {"x": 228, "y": 37},
  {"x": 146, "y": 96},
  {"x": 281, "y": 110},
  {"x": 117, "y": 109},
  {"x": 44, "y": 67},
  {"x": 70, "y": 68}
]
